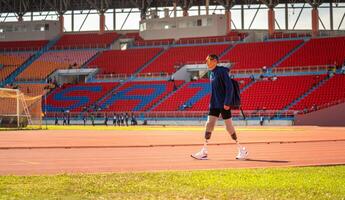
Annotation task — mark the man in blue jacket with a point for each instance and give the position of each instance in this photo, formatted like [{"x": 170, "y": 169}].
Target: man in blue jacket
[{"x": 221, "y": 98}]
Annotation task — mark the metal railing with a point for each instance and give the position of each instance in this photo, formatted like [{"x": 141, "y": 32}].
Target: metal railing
[
  {"x": 79, "y": 46},
  {"x": 177, "y": 114},
  {"x": 126, "y": 76},
  {"x": 246, "y": 71},
  {"x": 153, "y": 75},
  {"x": 280, "y": 35},
  {"x": 317, "y": 68},
  {"x": 208, "y": 40},
  {"x": 112, "y": 76},
  {"x": 19, "y": 49},
  {"x": 153, "y": 42}
]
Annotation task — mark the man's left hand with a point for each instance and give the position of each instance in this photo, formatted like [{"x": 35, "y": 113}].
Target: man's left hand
[{"x": 226, "y": 107}]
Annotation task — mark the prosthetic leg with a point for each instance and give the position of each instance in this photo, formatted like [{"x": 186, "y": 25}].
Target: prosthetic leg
[
  {"x": 210, "y": 124},
  {"x": 242, "y": 152}
]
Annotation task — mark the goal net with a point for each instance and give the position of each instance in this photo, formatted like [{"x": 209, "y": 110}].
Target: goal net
[{"x": 18, "y": 110}]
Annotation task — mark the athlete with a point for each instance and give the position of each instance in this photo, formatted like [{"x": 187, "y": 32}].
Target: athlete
[{"x": 221, "y": 96}]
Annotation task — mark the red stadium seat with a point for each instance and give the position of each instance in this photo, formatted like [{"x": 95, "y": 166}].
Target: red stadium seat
[
  {"x": 123, "y": 62},
  {"x": 258, "y": 54},
  {"x": 333, "y": 90},
  {"x": 275, "y": 95},
  {"x": 176, "y": 56},
  {"x": 318, "y": 51},
  {"x": 22, "y": 45},
  {"x": 86, "y": 40}
]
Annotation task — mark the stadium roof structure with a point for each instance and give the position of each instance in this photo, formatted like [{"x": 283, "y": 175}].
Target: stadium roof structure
[{"x": 22, "y": 6}]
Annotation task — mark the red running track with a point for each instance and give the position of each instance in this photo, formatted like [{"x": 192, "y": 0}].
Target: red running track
[{"x": 94, "y": 151}]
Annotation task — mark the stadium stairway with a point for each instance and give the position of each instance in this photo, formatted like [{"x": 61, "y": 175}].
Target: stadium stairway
[
  {"x": 290, "y": 53},
  {"x": 294, "y": 102},
  {"x": 166, "y": 97},
  {"x": 108, "y": 94},
  {"x": 149, "y": 62},
  {"x": 199, "y": 95},
  {"x": 27, "y": 63},
  {"x": 228, "y": 49},
  {"x": 247, "y": 86},
  {"x": 85, "y": 65}
]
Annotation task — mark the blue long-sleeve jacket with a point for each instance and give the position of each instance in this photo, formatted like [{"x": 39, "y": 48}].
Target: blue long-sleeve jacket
[{"x": 222, "y": 88}]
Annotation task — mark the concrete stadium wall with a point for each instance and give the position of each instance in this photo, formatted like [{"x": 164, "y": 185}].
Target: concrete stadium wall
[
  {"x": 332, "y": 116},
  {"x": 29, "y": 30},
  {"x": 214, "y": 25}
]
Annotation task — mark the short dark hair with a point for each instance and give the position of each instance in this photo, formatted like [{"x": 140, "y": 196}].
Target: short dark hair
[{"x": 213, "y": 56}]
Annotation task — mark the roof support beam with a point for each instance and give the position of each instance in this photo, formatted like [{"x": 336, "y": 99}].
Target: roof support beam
[
  {"x": 124, "y": 22},
  {"x": 286, "y": 16},
  {"x": 341, "y": 21},
  {"x": 299, "y": 15},
  {"x": 331, "y": 15},
  {"x": 257, "y": 10}
]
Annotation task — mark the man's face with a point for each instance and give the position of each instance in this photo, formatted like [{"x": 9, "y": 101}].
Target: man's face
[{"x": 211, "y": 63}]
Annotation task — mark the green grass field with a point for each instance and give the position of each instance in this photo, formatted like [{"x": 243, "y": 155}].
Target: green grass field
[{"x": 273, "y": 183}]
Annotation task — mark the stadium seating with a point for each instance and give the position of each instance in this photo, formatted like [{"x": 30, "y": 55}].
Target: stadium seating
[
  {"x": 11, "y": 61},
  {"x": 237, "y": 34},
  {"x": 74, "y": 97},
  {"x": 33, "y": 89},
  {"x": 195, "y": 90},
  {"x": 275, "y": 95},
  {"x": 134, "y": 35},
  {"x": 177, "y": 56},
  {"x": 51, "y": 61},
  {"x": 333, "y": 90},
  {"x": 22, "y": 45},
  {"x": 318, "y": 51},
  {"x": 193, "y": 96},
  {"x": 281, "y": 35},
  {"x": 266, "y": 94},
  {"x": 86, "y": 40},
  {"x": 123, "y": 62},
  {"x": 139, "y": 42},
  {"x": 138, "y": 96},
  {"x": 232, "y": 36},
  {"x": 259, "y": 54}
]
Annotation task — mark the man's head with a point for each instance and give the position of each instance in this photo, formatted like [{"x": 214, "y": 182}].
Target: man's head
[{"x": 211, "y": 61}]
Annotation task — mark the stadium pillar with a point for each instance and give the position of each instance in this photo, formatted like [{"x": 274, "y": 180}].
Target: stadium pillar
[
  {"x": 175, "y": 8},
  {"x": 114, "y": 19},
  {"x": 315, "y": 21},
  {"x": 72, "y": 20},
  {"x": 61, "y": 21},
  {"x": 101, "y": 22},
  {"x": 242, "y": 16},
  {"x": 286, "y": 16},
  {"x": 20, "y": 18},
  {"x": 271, "y": 21},
  {"x": 331, "y": 15},
  {"x": 228, "y": 20},
  {"x": 207, "y": 3},
  {"x": 185, "y": 12}
]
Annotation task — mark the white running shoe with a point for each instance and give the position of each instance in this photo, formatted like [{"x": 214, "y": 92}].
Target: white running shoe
[
  {"x": 201, "y": 155},
  {"x": 242, "y": 153}
]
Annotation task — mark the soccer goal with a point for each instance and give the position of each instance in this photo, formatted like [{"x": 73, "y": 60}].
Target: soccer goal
[{"x": 18, "y": 110}]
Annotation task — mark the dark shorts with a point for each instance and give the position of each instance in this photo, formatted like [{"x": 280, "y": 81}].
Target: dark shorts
[{"x": 226, "y": 114}]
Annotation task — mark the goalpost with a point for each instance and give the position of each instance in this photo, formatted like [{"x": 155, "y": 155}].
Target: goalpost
[{"x": 18, "y": 110}]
